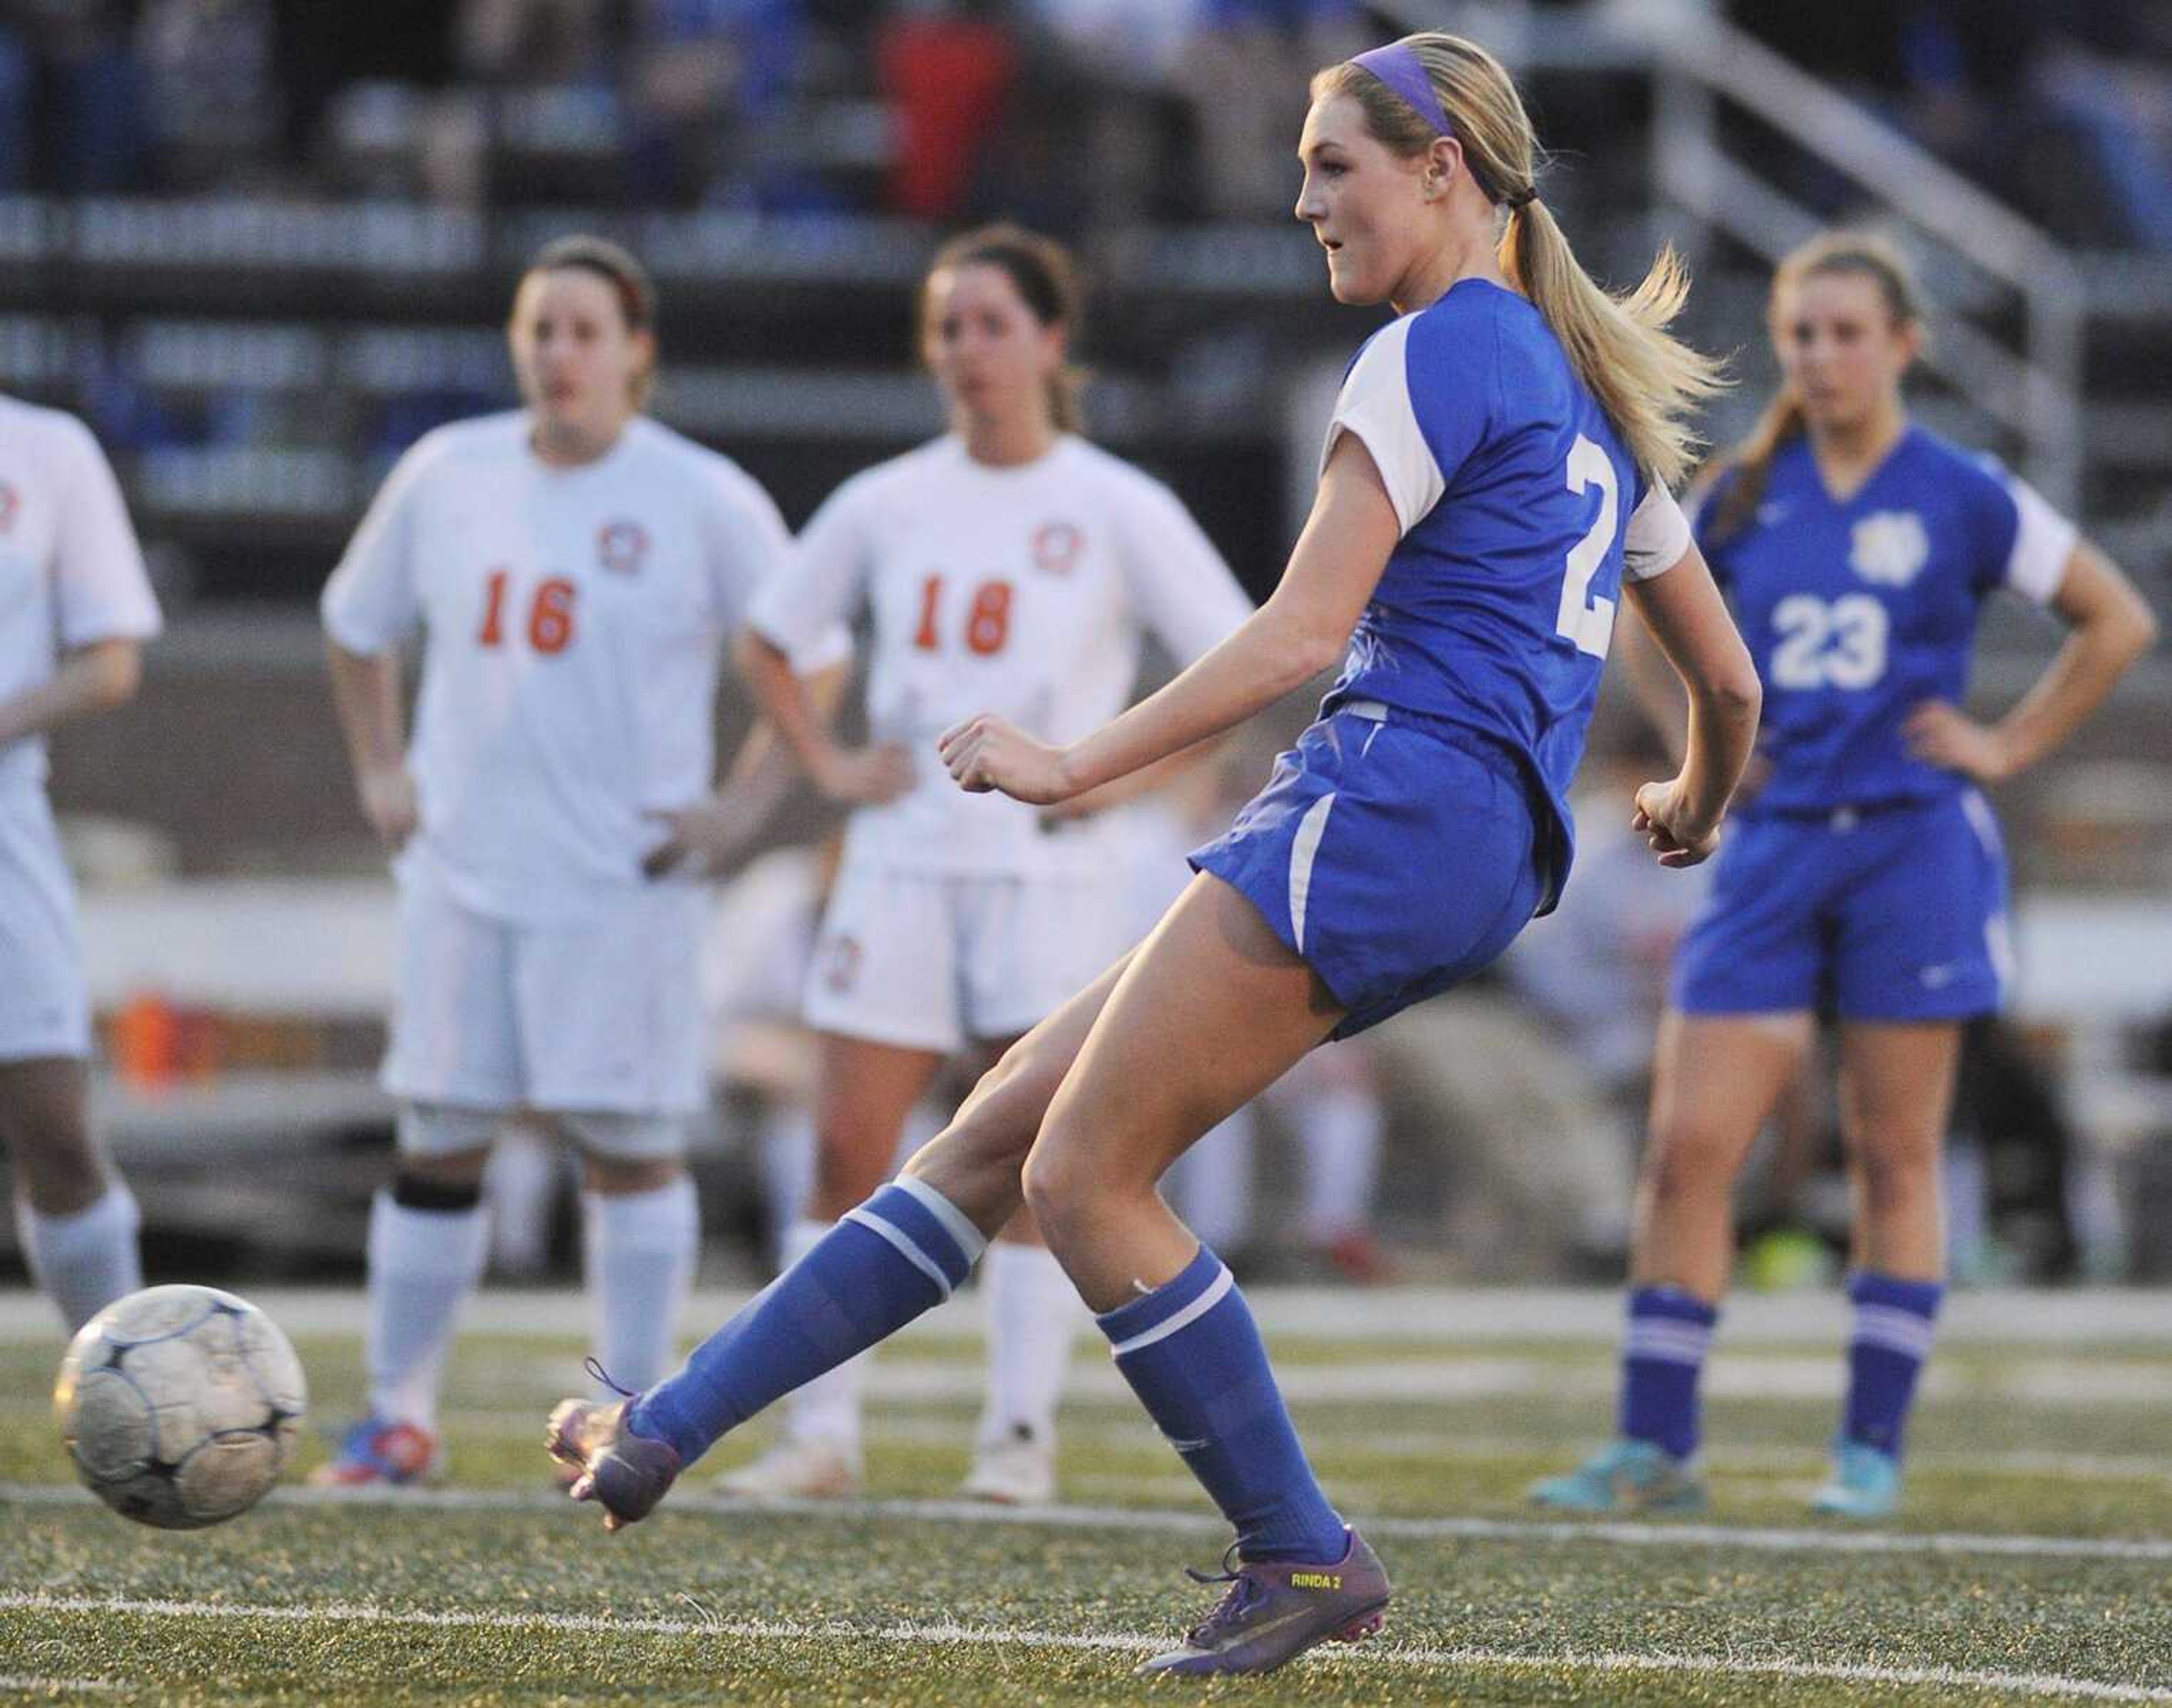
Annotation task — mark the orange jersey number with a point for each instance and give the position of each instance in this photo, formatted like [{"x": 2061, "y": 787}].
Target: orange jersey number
[
  {"x": 550, "y": 614},
  {"x": 988, "y": 626}
]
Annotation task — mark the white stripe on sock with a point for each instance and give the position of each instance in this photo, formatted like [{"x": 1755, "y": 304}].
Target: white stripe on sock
[
  {"x": 897, "y": 1236},
  {"x": 1894, "y": 1328},
  {"x": 1217, "y": 1290},
  {"x": 1666, "y": 1346},
  {"x": 971, "y": 1241}
]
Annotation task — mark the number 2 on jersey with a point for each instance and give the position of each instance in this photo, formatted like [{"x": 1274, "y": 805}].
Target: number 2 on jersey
[
  {"x": 550, "y": 614},
  {"x": 1587, "y": 621},
  {"x": 988, "y": 626}
]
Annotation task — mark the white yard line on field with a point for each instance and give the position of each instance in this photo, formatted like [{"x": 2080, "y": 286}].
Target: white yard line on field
[
  {"x": 1445, "y": 1317},
  {"x": 1762, "y": 1540},
  {"x": 934, "y": 1635}
]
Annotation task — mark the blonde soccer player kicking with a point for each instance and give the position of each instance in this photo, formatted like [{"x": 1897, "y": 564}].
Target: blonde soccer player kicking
[
  {"x": 574, "y": 570},
  {"x": 1009, "y": 563},
  {"x": 75, "y": 608},
  {"x": 1494, "y": 484}
]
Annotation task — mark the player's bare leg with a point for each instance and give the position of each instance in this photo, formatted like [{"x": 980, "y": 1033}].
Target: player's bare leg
[
  {"x": 1715, "y": 1079},
  {"x": 1212, "y": 1009},
  {"x": 865, "y": 1090},
  {"x": 1896, "y": 1096},
  {"x": 974, "y": 1166},
  {"x": 76, "y": 1219},
  {"x": 1896, "y": 1085}
]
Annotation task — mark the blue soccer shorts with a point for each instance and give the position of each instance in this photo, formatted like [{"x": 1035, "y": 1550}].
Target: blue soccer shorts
[
  {"x": 1893, "y": 913},
  {"x": 1397, "y": 860}
]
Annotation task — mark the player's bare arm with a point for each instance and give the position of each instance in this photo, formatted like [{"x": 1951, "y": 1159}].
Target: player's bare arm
[
  {"x": 1682, "y": 609},
  {"x": 2109, "y": 626},
  {"x": 96, "y": 677},
  {"x": 366, "y": 695},
  {"x": 716, "y": 829},
  {"x": 858, "y": 777},
  {"x": 1301, "y": 630}
]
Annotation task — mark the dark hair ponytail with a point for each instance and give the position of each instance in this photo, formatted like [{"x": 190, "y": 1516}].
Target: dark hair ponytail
[{"x": 1048, "y": 280}]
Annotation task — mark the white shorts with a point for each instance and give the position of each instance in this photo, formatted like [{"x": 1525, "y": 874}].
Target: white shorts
[
  {"x": 45, "y": 1006},
  {"x": 604, "y": 1013},
  {"x": 932, "y": 961}
]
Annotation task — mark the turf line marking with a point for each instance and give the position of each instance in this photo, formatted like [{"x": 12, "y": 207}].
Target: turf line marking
[
  {"x": 1762, "y": 1540},
  {"x": 25, "y": 1681},
  {"x": 941, "y": 1633}
]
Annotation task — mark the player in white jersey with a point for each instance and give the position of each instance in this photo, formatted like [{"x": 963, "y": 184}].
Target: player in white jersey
[
  {"x": 75, "y": 608},
  {"x": 1009, "y": 563},
  {"x": 574, "y": 569}
]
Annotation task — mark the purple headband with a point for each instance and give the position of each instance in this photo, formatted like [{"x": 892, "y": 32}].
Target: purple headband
[{"x": 1400, "y": 69}]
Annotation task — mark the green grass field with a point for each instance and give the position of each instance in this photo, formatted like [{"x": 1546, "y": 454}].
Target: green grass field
[{"x": 2034, "y": 1564}]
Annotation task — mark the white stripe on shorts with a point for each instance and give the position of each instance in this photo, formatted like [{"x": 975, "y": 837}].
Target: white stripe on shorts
[{"x": 1305, "y": 849}]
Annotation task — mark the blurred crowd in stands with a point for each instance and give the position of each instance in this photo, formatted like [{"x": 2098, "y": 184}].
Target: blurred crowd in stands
[
  {"x": 1072, "y": 114},
  {"x": 2061, "y": 108}
]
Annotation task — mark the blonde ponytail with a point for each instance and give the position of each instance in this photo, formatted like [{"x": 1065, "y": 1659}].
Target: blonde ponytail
[{"x": 1646, "y": 380}]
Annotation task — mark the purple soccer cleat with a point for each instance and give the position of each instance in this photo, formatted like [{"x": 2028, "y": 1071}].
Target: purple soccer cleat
[
  {"x": 625, "y": 1474},
  {"x": 1277, "y": 1609}
]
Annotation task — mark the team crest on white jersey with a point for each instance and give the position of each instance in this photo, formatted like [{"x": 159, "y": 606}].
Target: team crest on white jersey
[
  {"x": 11, "y": 504},
  {"x": 621, "y": 547},
  {"x": 1056, "y": 546},
  {"x": 1889, "y": 548}
]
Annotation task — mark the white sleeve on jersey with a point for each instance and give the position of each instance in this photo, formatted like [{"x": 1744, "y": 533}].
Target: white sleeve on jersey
[
  {"x": 102, "y": 592},
  {"x": 1375, "y": 404},
  {"x": 372, "y": 604},
  {"x": 755, "y": 552},
  {"x": 804, "y": 608},
  {"x": 2043, "y": 542},
  {"x": 1179, "y": 583},
  {"x": 1658, "y": 535}
]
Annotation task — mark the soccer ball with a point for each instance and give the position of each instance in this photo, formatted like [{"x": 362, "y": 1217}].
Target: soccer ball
[{"x": 179, "y": 1405}]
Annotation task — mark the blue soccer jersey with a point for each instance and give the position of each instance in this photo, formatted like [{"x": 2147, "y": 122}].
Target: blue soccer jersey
[
  {"x": 1858, "y": 610},
  {"x": 1522, "y": 512}
]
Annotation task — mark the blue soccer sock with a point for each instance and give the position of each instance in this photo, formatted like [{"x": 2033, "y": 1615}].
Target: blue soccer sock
[
  {"x": 903, "y": 1251},
  {"x": 1885, "y": 1354},
  {"x": 1193, "y": 1354},
  {"x": 1662, "y": 1361}
]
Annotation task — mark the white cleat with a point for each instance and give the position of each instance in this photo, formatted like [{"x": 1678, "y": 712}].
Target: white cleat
[
  {"x": 1017, "y": 1470},
  {"x": 801, "y": 1470}
]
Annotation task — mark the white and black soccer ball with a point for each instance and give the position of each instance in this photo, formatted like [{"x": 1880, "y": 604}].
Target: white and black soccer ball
[{"x": 179, "y": 1405}]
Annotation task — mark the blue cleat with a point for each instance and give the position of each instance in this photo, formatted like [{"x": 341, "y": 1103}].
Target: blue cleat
[
  {"x": 1625, "y": 1476},
  {"x": 1865, "y": 1485},
  {"x": 1274, "y": 1610}
]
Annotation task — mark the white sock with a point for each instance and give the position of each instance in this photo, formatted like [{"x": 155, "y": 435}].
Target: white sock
[
  {"x": 86, "y": 1259},
  {"x": 519, "y": 1185},
  {"x": 639, "y": 1249},
  {"x": 788, "y": 1164},
  {"x": 1340, "y": 1128},
  {"x": 828, "y": 1407},
  {"x": 423, "y": 1265},
  {"x": 1210, "y": 1185},
  {"x": 1033, "y": 1311}
]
